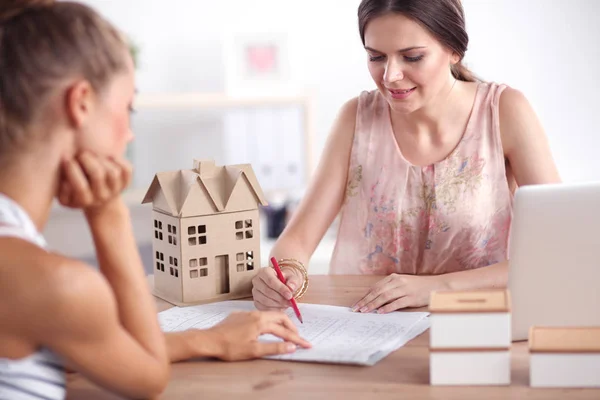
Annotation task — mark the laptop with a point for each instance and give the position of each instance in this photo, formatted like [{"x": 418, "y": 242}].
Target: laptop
[{"x": 554, "y": 253}]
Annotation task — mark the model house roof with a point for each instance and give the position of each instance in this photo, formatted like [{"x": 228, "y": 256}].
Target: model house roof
[{"x": 206, "y": 189}]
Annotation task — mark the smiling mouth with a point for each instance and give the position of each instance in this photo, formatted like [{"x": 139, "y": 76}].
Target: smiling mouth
[{"x": 401, "y": 91}]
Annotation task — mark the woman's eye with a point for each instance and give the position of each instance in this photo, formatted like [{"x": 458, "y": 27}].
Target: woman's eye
[
  {"x": 413, "y": 59},
  {"x": 376, "y": 58}
]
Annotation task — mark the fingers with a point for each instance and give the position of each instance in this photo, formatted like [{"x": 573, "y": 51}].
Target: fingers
[
  {"x": 287, "y": 335},
  {"x": 384, "y": 298},
  {"x": 380, "y": 287},
  {"x": 369, "y": 297},
  {"x": 292, "y": 279},
  {"x": 89, "y": 180},
  {"x": 398, "y": 304},
  {"x": 270, "y": 280},
  {"x": 264, "y": 291},
  {"x": 126, "y": 170},
  {"x": 114, "y": 181},
  {"x": 81, "y": 193},
  {"x": 64, "y": 194},
  {"x": 285, "y": 321},
  {"x": 265, "y": 301},
  {"x": 262, "y": 349},
  {"x": 95, "y": 171},
  {"x": 279, "y": 318}
]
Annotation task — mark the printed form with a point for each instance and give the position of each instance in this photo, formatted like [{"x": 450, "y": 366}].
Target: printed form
[{"x": 337, "y": 334}]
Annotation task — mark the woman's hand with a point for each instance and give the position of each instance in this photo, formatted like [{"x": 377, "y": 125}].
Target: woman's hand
[
  {"x": 89, "y": 182},
  {"x": 399, "y": 291},
  {"x": 237, "y": 335},
  {"x": 268, "y": 291}
]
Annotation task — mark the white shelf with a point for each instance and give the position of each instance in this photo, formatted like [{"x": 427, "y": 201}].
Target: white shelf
[
  {"x": 213, "y": 100},
  {"x": 249, "y": 127}
]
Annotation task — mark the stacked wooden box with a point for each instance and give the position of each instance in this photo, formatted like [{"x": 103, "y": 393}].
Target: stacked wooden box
[
  {"x": 470, "y": 338},
  {"x": 564, "y": 357}
]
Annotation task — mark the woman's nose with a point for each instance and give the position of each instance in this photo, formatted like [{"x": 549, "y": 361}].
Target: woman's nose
[{"x": 393, "y": 72}]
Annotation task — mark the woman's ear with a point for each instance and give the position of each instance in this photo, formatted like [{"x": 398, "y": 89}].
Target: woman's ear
[
  {"x": 79, "y": 103},
  {"x": 454, "y": 58}
]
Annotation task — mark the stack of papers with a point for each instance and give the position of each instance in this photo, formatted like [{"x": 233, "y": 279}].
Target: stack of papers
[{"x": 337, "y": 334}]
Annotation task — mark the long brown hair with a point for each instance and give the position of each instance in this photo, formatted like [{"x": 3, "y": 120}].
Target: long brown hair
[
  {"x": 43, "y": 43},
  {"x": 444, "y": 19}
]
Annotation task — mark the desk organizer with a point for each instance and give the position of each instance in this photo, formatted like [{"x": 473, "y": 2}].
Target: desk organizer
[
  {"x": 564, "y": 357},
  {"x": 470, "y": 338}
]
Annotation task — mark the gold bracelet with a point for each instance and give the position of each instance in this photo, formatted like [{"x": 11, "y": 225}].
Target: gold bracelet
[{"x": 297, "y": 265}]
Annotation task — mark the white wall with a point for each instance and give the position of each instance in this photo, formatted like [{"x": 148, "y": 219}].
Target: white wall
[{"x": 549, "y": 49}]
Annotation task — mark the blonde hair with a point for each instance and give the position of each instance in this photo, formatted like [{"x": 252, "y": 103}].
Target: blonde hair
[{"x": 42, "y": 44}]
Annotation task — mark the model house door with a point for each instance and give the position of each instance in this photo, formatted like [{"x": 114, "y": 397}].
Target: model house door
[{"x": 222, "y": 274}]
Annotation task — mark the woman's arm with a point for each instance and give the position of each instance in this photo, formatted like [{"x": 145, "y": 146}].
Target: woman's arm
[
  {"x": 94, "y": 184},
  {"x": 528, "y": 152},
  {"x": 524, "y": 141},
  {"x": 325, "y": 194},
  {"x": 316, "y": 212},
  {"x": 71, "y": 309},
  {"x": 121, "y": 265},
  {"x": 236, "y": 338}
]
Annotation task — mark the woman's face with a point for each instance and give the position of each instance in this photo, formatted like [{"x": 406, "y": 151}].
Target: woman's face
[
  {"x": 108, "y": 130},
  {"x": 409, "y": 66}
]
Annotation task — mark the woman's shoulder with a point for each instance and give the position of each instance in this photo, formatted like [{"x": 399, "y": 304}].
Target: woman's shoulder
[
  {"x": 40, "y": 289},
  {"x": 500, "y": 92},
  {"x": 366, "y": 101},
  {"x": 369, "y": 98}
]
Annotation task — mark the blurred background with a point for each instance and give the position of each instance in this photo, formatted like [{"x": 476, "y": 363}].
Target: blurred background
[{"x": 261, "y": 81}]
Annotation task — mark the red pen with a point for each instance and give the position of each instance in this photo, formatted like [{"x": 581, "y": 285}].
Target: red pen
[{"x": 282, "y": 279}]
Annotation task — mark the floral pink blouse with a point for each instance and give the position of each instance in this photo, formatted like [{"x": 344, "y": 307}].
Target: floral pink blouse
[{"x": 449, "y": 216}]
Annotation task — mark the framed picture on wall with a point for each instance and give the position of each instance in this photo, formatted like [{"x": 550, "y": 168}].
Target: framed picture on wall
[{"x": 257, "y": 64}]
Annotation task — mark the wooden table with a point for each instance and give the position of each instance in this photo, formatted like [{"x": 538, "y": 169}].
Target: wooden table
[{"x": 403, "y": 374}]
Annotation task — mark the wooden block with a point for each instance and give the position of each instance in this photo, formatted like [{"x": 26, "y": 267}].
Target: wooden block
[
  {"x": 484, "y": 367},
  {"x": 470, "y": 320},
  {"x": 564, "y": 357}
]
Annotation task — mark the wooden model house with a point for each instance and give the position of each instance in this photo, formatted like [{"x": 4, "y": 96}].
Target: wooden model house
[{"x": 206, "y": 240}]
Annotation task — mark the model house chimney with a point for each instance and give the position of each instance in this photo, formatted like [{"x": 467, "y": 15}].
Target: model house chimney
[{"x": 204, "y": 168}]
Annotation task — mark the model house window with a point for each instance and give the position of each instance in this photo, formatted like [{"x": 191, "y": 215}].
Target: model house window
[
  {"x": 202, "y": 272},
  {"x": 173, "y": 266},
  {"x": 245, "y": 261},
  {"x": 160, "y": 261},
  {"x": 195, "y": 263},
  {"x": 158, "y": 230},
  {"x": 243, "y": 229},
  {"x": 172, "y": 234},
  {"x": 196, "y": 235}
]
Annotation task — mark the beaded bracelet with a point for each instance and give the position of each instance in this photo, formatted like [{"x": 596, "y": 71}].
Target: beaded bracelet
[{"x": 297, "y": 265}]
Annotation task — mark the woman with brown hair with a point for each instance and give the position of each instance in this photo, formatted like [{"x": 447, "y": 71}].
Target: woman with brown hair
[
  {"x": 66, "y": 88},
  {"x": 421, "y": 170}
]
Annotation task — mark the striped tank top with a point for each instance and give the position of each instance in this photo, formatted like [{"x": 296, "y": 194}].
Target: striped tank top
[{"x": 40, "y": 375}]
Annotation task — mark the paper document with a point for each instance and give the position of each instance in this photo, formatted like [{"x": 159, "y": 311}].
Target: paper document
[{"x": 337, "y": 334}]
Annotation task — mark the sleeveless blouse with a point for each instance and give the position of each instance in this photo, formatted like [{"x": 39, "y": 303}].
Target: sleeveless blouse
[{"x": 449, "y": 216}]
